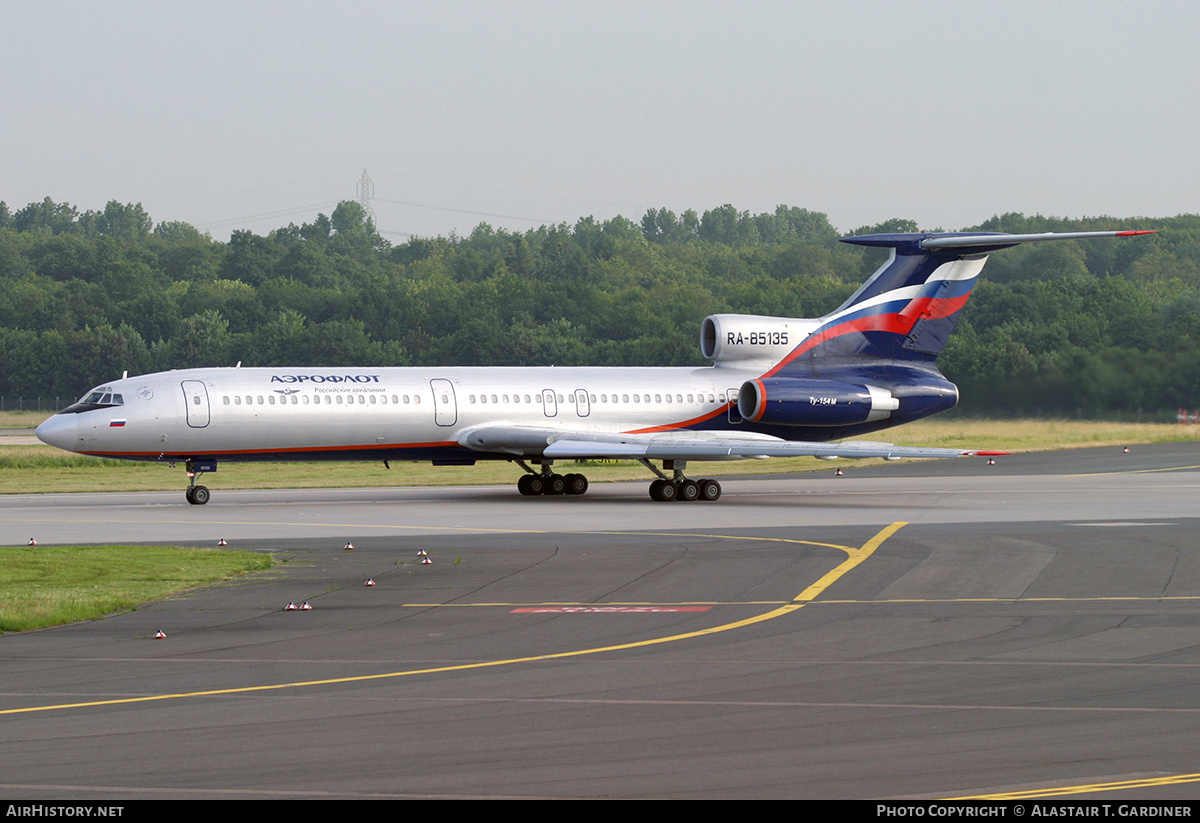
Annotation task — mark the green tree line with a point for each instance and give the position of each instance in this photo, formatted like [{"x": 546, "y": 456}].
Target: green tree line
[{"x": 1066, "y": 328}]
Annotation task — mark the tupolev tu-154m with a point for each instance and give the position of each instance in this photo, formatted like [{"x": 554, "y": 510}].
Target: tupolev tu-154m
[{"x": 777, "y": 386}]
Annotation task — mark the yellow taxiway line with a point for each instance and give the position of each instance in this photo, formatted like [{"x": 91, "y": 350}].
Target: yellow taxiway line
[{"x": 853, "y": 559}]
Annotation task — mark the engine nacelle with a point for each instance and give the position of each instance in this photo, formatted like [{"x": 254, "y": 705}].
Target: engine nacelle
[
  {"x": 738, "y": 338},
  {"x": 787, "y": 401}
]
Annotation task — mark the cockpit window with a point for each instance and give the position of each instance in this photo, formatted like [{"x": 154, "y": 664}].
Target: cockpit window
[{"x": 101, "y": 398}]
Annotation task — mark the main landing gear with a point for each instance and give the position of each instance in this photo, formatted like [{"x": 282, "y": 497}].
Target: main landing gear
[
  {"x": 198, "y": 495},
  {"x": 549, "y": 483},
  {"x": 678, "y": 487},
  {"x": 675, "y": 487}
]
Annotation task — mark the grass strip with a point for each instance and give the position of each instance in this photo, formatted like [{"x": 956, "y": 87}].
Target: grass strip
[
  {"x": 43, "y": 469},
  {"x": 49, "y": 585}
]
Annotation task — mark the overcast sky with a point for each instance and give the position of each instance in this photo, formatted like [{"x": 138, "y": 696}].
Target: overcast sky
[{"x": 253, "y": 115}]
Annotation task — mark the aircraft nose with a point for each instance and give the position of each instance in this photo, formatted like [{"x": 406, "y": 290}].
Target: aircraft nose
[{"x": 61, "y": 430}]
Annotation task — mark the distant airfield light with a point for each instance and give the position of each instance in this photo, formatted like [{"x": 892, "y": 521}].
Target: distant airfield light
[
  {"x": 837, "y": 473},
  {"x": 304, "y": 607},
  {"x": 290, "y": 607},
  {"x": 370, "y": 582},
  {"x": 222, "y": 542},
  {"x": 422, "y": 553},
  {"x": 32, "y": 542},
  {"x": 160, "y": 635},
  {"x": 1125, "y": 450},
  {"x": 991, "y": 461},
  {"x": 349, "y": 546},
  {"x": 425, "y": 561}
]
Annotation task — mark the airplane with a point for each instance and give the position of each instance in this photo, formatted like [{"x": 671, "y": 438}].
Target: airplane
[{"x": 777, "y": 386}]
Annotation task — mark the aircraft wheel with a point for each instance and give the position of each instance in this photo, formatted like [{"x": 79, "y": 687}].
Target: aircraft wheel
[
  {"x": 656, "y": 489},
  {"x": 576, "y": 484},
  {"x": 556, "y": 485},
  {"x": 710, "y": 490},
  {"x": 200, "y": 495},
  {"x": 668, "y": 491},
  {"x": 187, "y": 493},
  {"x": 536, "y": 484},
  {"x": 525, "y": 485},
  {"x": 688, "y": 490}
]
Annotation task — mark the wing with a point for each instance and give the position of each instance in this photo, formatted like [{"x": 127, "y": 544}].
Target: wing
[{"x": 562, "y": 444}]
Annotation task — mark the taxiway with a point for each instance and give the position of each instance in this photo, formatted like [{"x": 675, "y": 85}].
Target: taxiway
[{"x": 925, "y": 630}]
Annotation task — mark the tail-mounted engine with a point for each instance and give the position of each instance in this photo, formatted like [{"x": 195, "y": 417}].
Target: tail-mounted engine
[
  {"x": 786, "y": 401},
  {"x": 743, "y": 338}
]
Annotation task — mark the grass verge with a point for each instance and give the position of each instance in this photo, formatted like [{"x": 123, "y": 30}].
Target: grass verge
[
  {"x": 49, "y": 585},
  {"x": 22, "y": 419},
  {"x": 42, "y": 469}
]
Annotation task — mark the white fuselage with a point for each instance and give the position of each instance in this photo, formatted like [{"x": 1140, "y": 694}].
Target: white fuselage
[{"x": 382, "y": 413}]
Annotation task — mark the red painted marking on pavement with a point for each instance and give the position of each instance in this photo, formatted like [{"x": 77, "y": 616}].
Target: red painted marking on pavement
[{"x": 607, "y": 609}]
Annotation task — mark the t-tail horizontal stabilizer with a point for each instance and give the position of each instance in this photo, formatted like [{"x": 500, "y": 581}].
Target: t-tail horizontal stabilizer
[{"x": 905, "y": 312}]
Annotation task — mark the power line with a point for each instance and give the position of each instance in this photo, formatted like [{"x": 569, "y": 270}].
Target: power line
[
  {"x": 465, "y": 211},
  {"x": 512, "y": 191},
  {"x": 267, "y": 215}
]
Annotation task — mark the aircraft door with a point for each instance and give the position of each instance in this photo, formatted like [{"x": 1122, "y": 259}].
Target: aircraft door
[
  {"x": 582, "y": 407},
  {"x": 731, "y": 395},
  {"x": 549, "y": 403},
  {"x": 445, "y": 406},
  {"x": 195, "y": 398}
]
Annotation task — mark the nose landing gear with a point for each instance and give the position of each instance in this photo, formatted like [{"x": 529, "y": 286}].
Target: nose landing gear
[{"x": 198, "y": 495}]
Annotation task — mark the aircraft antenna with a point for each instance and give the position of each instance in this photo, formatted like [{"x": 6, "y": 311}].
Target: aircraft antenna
[{"x": 366, "y": 190}]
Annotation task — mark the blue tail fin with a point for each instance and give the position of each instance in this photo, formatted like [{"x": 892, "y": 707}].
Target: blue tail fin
[{"x": 906, "y": 311}]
